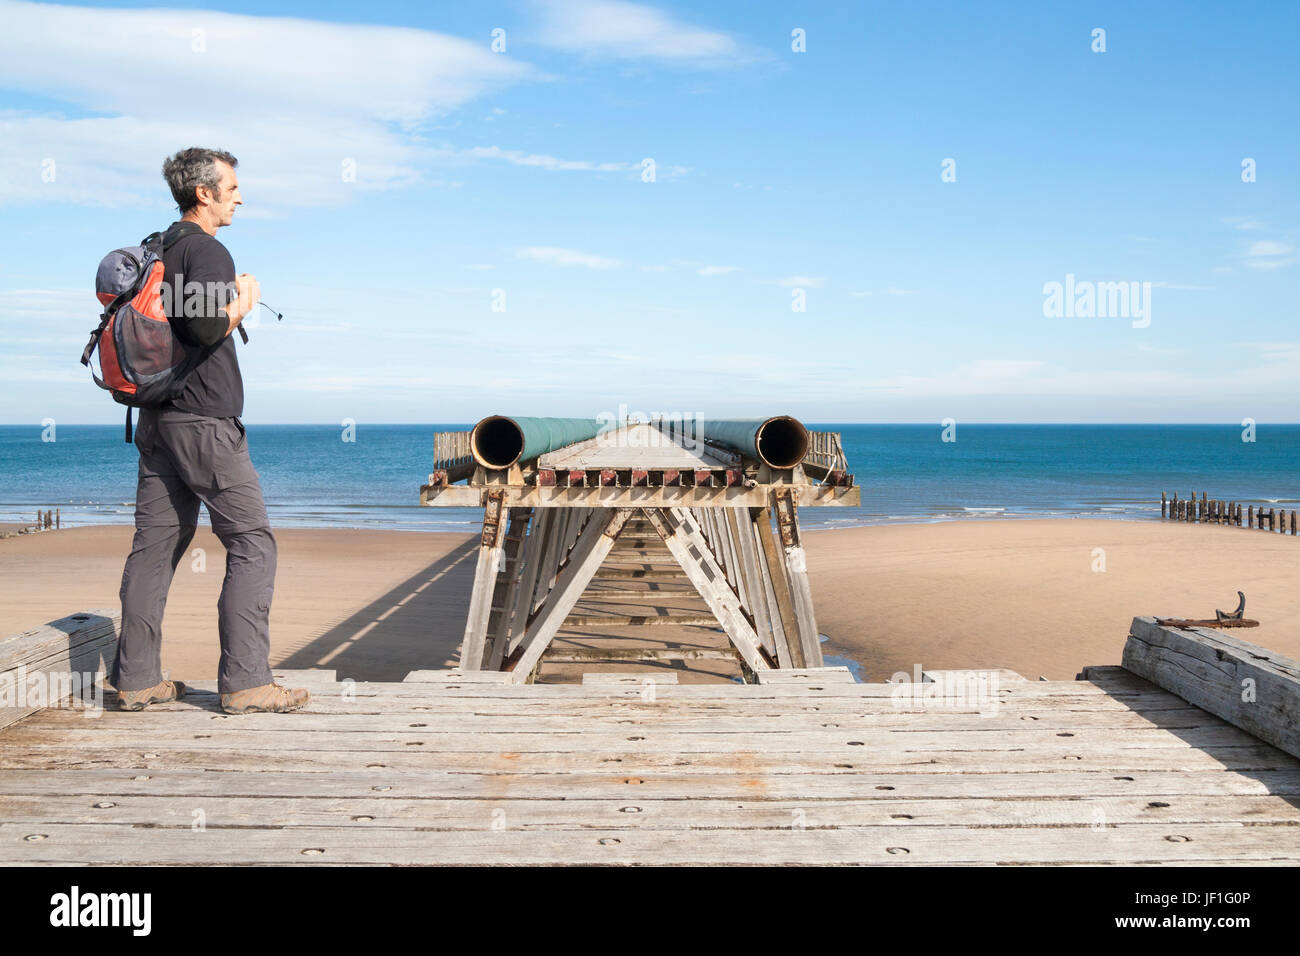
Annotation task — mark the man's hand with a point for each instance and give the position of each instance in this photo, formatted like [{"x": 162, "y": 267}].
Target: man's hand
[{"x": 248, "y": 294}]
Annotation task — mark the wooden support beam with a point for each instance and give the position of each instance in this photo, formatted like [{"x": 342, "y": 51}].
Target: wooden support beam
[
  {"x": 473, "y": 646},
  {"x": 679, "y": 619},
  {"x": 682, "y": 494},
  {"x": 48, "y": 657},
  {"x": 796, "y": 572},
  {"x": 577, "y": 655},
  {"x": 591, "y": 549},
  {"x": 727, "y": 523},
  {"x": 1247, "y": 685},
  {"x": 505, "y": 600},
  {"x": 755, "y": 590},
  {"x": 776, "y": 600},
  {"x": 681, "y": 533}
]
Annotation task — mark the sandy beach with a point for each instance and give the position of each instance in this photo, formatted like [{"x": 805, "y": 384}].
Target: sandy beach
[{"x": 1000, "y": 593}]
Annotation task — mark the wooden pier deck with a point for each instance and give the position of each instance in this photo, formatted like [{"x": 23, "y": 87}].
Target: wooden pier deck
[{"x": 803, "y": 767}]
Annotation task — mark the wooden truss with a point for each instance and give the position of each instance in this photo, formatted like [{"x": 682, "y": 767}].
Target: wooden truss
[
  {"x": 730, "y": 525},
  {"x": 535, "y": 563}
]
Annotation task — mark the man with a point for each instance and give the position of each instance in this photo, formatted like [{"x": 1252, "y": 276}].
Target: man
[{"x": 193, "y": 449}]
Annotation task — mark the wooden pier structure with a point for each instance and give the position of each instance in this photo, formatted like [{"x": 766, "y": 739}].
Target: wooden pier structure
[
  {"x": 640, "y": 512},
  {"x": 1156, "y": 762}
]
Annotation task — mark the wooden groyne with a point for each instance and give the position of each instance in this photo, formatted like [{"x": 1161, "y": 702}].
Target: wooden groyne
[
  {"x": 1206, "y": 510},
  {"x": 47, "y": 520}
]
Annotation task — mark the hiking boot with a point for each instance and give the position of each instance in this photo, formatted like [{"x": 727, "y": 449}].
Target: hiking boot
[
  {"x": 269, "y": 698},
  {"x": 159, "y": 693}
]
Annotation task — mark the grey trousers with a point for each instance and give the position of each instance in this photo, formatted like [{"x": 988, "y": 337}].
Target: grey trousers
[{"x": 185, "y": 459}]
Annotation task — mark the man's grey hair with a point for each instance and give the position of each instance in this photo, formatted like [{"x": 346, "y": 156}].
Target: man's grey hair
[{"x": 191, "y": 168}]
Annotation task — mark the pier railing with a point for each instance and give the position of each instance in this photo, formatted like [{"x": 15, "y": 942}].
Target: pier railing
[{"x": 1205, "y": 510}]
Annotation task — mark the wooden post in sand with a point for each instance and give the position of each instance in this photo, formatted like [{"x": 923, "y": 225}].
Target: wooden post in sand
[
  {"x": 1164, "y": 504},
  {"x": 58, "y": 517},
  {"x": 1250, "y": 516}
]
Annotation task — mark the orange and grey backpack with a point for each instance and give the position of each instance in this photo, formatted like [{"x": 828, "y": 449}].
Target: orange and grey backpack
[{"x": 141, "y": 361}]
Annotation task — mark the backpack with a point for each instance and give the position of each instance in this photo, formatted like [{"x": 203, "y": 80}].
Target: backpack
[{"x": 141, "y": 361}]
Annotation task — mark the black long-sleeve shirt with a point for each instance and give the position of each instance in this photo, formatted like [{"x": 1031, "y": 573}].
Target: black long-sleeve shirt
[{"x": 202, "y": 270}]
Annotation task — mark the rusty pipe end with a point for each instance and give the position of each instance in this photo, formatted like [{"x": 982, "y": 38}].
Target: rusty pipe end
[
  {"x": 496, "y": 442},
  {"x": 781, "y": 442}
]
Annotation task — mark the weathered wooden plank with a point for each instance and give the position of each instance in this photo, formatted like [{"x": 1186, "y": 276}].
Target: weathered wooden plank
[
  {"x": 512, "y": 721},
  {"x": 51, "y": 663},
  {"x": 795, "y": 675},
  {"x": 633, "y": 679},
  {"x": 920, "y": 694},
  {"x": 962, "y": 676},
  {"x": 875, "y": 741},
  {"x": 512, "y": 812},
  {"x": 1165, "y": 710},
  {"x": 1156, "y": 843},
  {"x": 667, "y": 784},
  {"x": 455, "y": 677},
  {"x": 1247, "y": 685}
]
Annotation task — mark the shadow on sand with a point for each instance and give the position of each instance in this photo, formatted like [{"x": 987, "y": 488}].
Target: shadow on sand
[{"x": 417, "y": 625}]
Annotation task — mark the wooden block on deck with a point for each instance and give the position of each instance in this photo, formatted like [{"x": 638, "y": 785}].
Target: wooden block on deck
[
  {"x": 457, "y": 677},
  {"x": 967, "y": 674},
  {"x": 804, "y": 675},
  {"x": 1247, "y": 685},
  {"x": 624, "y": 677},
  {"x": 81, "y": 644}
]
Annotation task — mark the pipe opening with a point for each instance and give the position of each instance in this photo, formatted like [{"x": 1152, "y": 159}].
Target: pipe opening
[
  {"x": 782, "y": 442},
  {"x": 496, "y": 442}
]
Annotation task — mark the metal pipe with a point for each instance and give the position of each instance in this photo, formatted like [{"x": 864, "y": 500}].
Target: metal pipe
[
  {"x": 778, "y": 442},
  {"x": 500, "y": 441}
]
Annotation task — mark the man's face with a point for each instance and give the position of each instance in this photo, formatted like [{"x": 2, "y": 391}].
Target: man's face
[{"x": 221, "y": 206}]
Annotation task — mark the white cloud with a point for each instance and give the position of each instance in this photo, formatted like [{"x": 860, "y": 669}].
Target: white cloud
[
  {"x": 1270, "y": 254},
  {"x": 543, "y": 161},
  {"x": 613, "y": 28},
  {"x": 294, "y": 99},
  {"x": 1268, "y": 247},
  {"x": 1287, "y": 353},
  {"x": 716, "y": 270},
  {"x": 567, "y": 257},
  {"x": 799, "y": 282}
]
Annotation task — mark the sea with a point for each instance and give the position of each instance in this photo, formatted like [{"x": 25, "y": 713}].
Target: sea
[{"x": 313, "y": 477}]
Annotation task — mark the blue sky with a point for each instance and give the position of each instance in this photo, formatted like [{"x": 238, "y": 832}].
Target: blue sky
[{"x": 517, "y": 176}]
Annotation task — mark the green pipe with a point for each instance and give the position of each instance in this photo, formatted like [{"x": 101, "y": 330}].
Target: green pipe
[
  {"x": 500, "y": 441},
  {"x": 779, "y": 442}
]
